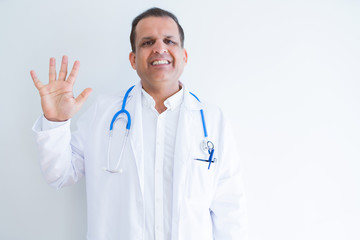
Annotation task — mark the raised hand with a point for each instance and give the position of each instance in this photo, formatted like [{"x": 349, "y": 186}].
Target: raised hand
[{"x": 57, "y": 99}]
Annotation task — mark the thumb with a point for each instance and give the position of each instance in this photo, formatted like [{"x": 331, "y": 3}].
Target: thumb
[{"x": 82, "y": 97}]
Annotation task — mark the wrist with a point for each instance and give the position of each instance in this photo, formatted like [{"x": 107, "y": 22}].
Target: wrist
[{"x": 55, "y": 119}]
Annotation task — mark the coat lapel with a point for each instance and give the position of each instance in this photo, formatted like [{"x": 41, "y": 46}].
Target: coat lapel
[
  {"x": 189, "y": 108},
  {"x": 136, "y": 133}
]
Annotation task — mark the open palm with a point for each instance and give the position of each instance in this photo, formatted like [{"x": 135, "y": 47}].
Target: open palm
[{"x": 57, "y": 99}]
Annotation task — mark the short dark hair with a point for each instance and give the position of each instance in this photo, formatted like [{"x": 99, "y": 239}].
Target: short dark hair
[{"x": 154, "y": 12}]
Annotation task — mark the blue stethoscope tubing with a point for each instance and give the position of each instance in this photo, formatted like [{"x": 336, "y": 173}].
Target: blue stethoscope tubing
[
  {"x": 123, "y": 110},
  {"x": 207, "y": 145},
  {"x": 128, "y": 126}
]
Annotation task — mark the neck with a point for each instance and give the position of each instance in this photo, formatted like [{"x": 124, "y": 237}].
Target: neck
[{"x": 160, "y": 93}]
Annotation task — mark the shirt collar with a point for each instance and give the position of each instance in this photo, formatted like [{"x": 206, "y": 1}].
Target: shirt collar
[
  {"x": 147, "y": 99},
  {"x": 170, "y": 103},
  {"x": 175, "y": 100}
]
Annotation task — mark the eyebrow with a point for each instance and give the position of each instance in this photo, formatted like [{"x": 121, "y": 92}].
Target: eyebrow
[
  {"x": 149, "y": 38},
  {"x": 146, "y": 38}
]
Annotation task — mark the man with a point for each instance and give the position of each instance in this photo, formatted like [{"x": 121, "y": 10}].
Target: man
[{"x": 160, "y": 184}]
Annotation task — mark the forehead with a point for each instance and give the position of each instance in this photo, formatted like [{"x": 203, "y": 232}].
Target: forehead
[{"x": 156, "y": 27}]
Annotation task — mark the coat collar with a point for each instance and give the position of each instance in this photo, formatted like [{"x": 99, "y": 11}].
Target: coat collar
[{"x": 190, "y": 102}]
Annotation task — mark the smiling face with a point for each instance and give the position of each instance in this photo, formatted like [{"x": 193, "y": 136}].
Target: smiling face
[{"x": 159, "y": 57}]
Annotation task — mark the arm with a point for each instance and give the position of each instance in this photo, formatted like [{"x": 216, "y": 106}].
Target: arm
[{"x": 61, "y": 162}]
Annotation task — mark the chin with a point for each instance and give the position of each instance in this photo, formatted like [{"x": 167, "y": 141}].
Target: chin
[{"x": 160, "y": 78}]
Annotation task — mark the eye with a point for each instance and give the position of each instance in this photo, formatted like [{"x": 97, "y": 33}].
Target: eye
[
  {"x": 147, "y": 43},
  {"x": 169, "y": 41}
]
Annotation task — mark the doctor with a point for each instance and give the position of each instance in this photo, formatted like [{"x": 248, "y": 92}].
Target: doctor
[{"x": 177, "y": 177}]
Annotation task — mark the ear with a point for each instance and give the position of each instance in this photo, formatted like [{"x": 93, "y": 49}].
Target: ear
[
  {"x": 132, "y": 60},
  {"x": 185, "y": 56}
]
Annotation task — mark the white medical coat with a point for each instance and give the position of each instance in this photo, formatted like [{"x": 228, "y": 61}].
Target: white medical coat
[{"x": 207, "y": 204}]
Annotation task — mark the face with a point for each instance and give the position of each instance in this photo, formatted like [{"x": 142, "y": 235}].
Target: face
[{"x": 159, "y": 56}]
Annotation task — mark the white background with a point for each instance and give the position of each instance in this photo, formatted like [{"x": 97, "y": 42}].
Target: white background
[{"x": 286, "y": 72}]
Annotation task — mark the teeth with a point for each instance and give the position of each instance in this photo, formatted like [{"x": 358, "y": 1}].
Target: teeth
[{"x": 160, "y": 62}]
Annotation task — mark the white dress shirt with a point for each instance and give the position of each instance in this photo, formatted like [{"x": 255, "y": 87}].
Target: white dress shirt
[{"x": 159, "y": 132}]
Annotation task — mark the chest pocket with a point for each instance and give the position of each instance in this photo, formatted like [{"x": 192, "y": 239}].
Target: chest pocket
[{"x": 200, "y": 182}]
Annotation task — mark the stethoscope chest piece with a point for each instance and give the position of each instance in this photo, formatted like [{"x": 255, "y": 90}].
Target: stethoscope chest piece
[{"x": 204, "y": 145}]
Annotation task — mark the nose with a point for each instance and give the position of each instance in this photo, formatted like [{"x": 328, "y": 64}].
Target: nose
[{"x": 159, "y": 47}]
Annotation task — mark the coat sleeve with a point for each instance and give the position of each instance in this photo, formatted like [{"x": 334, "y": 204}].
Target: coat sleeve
[
  {"x": 61, "y": 153},
  {"x": 228, "y": 208}
]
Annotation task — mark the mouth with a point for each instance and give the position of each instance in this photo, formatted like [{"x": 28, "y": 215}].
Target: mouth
[{"x": 160, "y": 62}]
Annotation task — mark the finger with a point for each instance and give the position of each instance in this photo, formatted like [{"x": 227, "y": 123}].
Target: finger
[
  {"x": 82, "y": 97},
  {"x": 52, "y": 70},
  {"x": 74, "y": 72},
  {"x": 35, "y": 79},
  {"x": 63, "y": 68}
]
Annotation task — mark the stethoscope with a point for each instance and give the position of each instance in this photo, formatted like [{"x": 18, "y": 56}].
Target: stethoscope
[{"x": 205, "y": 145}]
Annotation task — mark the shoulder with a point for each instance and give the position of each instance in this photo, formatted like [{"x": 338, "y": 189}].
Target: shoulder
[
  {"x": 113, "y": 99},
  {"x": 109, "y": 99},
  {"x": 197, "y": 102}
]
